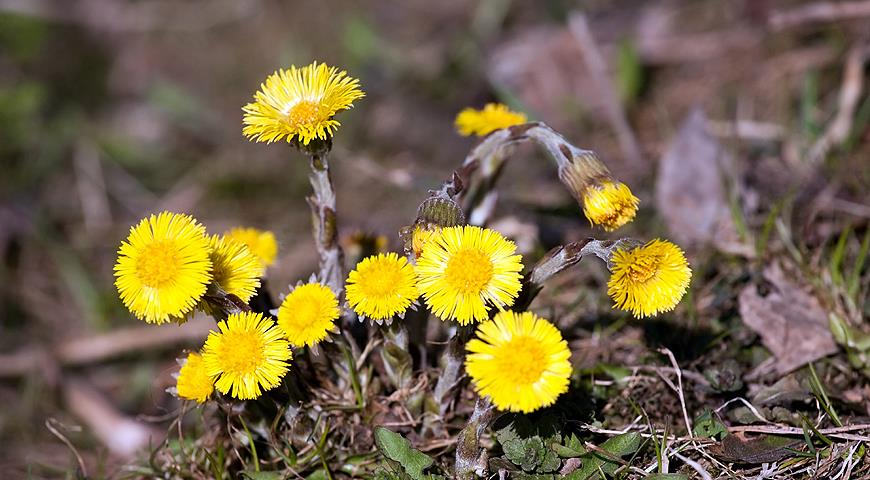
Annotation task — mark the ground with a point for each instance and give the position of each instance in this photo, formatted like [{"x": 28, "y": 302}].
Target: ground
[{"x": 741, "y": 126}]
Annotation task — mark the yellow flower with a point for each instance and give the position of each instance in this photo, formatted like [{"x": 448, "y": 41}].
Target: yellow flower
[
  {"x": 193, "y": 382},
  {"x": 494, "y": 116},
  {"x": 308, "y": 314},
  {"x": 420, "y": 237},
  {"x": 236, "y": 269},
  {"x": 163, "y": 267},
  {"x": 299, "y": 103},
  {"x": 262, "y": 243},
  {"x": 247, "y": 356},
  {"x": 465, "y": 269},
  {"x": 520, "y": 361},
  {"x": 381, "y": 286},
  {"x": 609, "y": 204},
  {"x": 648, "y": 279}
]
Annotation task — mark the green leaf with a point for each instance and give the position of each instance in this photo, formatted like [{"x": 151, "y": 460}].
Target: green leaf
[
  {"x": 667, "y": 476},
  {"x": 398, "y": 449},
  {"x": 629, "y": 72},
  {"x": 572, "y": 447},
  {"x": 708, "y": 426},
  {"x": 594, "y": 462},
  {"x": 252, "y": 475}
]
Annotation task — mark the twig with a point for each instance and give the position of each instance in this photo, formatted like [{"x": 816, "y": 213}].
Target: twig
[
  {"x": 850, "y": 93},
  {"x": 598, "y": 69},
  {"x": 836, "y": 432},
  {"x": 695, "y": 466},
  {"x": 49, "y": 424},
  {"x": 679, "y": 388},
  {"x": 819, "y": 12},
  {"x": 103, "y": 347},
  {"x": 123, "y": 436}
]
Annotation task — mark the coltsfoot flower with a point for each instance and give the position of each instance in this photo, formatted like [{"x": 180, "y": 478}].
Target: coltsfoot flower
[
  {"x": 247, "y": 356},
  {"x": 261, "y": 243},
  {"x": 493, "y": 116},
  {"x": 605, "y": 201},
  {"x": 648, "y": 279},
  {"x": 382, "y": 286},
  {"x": 299, "y": 104},
  {"x": 308, "y": 314},
  {"x": 420, "y": 236},
  {"x": 466, "y": 269},
  {"x": 235, "y": 268},
  {"x": 609, "y": 204},
  {"x": 520, "y": 361},
  {"x": 193, "y": 382},
  {"x": 163, "y": 267}
]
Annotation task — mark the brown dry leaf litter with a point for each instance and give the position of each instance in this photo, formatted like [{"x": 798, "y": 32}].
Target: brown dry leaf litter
[
  {"x": 791, "y": 322},
  {"x": 690, "y": 189}
]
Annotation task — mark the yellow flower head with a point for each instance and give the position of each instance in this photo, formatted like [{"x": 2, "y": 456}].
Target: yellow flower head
[
  {"x": 465, "y": 269},
  {"x": 648, "y": 279},
  {"x": 247, "y": 356},
  {"x": 262, "y": 243},
  {"x": 420, "y": 237},
  {"x": 193, "y": 382},
  {"x": 520, "y": 361},
  {"x": 381, "y": 286},
  {"x": 308, "y": 314},
  {"x": 299, "y": 103},
  {"x": 494, "y": 116},
  {"x": 236, "y": 269},
  {"x": 609, "y": 204},
  {"x": 163, "y": 267}
]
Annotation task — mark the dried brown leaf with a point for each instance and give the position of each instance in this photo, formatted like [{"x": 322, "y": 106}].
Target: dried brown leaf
[
  {"x": 791, "y": 322},
  {"x": 690, "y": 190}
]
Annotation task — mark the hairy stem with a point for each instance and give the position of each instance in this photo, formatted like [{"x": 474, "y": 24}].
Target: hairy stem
[
  {"x": 453, "y": 359},
  {"x": 471, "y": 460},
  {"x": 323, "y": 221}
]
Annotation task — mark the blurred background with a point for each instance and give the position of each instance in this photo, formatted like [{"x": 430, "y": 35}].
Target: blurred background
[{"x": 716, "y": 113}]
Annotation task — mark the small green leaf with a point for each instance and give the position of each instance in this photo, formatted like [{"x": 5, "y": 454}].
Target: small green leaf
[
  {"x": 667, "y": 476},
  {"x": 398, "y": 449},
  {"x": 252, "y": 475},
  {"x": 595, "y": 463},
  {"x": 708, "y": 426}
]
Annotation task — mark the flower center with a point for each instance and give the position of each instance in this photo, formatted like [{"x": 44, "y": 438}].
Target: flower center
[
  {"x": 241, "y": 352},
  {"x": 643, "y": 269},
  {"x": 381, "y": 281},
  {"x": 304, "y": 112},
  {"x": 522, "y": 360},
  {"x": 158, "y": 264},
  {"x": 468, "y": 271}
]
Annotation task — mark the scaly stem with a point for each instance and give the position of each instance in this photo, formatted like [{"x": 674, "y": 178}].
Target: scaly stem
[
  {"x": 324, "y": 224},
  {"x": 352, "y": 372},
  {"x": 453, "y": 359},
  {"x": 470, "y": 462}
]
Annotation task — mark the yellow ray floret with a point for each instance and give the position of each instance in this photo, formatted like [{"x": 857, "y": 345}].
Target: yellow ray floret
[
  {"x": 308, "y": 314},
  {"x": 299, "y": 103},
  {"x": 609, "y": 204},
  {"x": 520, "y": 361},
  {"x": 247, "y": 356},
  {"x": 163, "y": 267},
  {"x": 493, "y": 116},
  {"x": 381, "y": 286},
  {"x": 262, "y": 243},
  {"x": 193, "y": 382},
  {"x": 648, "y": 279},
  {"x": 420, "y": 236},
  {"x": 235, "y": 268},
  {"x": 466, "y": 269}
]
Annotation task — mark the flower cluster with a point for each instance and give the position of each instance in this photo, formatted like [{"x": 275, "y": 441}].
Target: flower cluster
[
  {"x": 169, "y": 266},
  {"x": 168, "y": 263}
]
